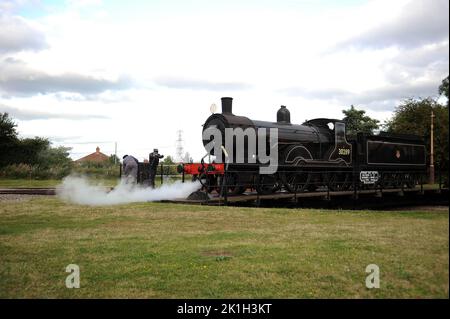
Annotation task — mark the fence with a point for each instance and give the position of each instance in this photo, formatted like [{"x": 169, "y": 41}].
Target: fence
[{"x": 164, "y": 173}]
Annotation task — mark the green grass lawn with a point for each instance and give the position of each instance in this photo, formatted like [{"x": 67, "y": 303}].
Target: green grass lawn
[{"x": 155, "y": 250}]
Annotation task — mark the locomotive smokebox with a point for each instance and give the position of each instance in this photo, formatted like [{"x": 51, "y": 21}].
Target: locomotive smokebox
[{"x": 227, "y": 105}]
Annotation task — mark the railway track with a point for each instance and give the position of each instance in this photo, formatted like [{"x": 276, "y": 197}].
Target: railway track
[
  {"x": 320, "y": 199},
  {"x": 324, "y": 199},
  {"x": 34, "y": 190},
  {"x": 29, "y": 191}
]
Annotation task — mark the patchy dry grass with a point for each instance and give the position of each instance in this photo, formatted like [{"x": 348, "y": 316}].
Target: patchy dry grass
[{"x": 153, "y": 250}]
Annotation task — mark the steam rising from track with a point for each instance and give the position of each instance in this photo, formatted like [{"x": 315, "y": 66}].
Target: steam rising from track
[{"x": 78, "y": 190}]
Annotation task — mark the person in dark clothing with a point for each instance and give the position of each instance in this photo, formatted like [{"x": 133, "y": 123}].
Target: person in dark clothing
[
  {"x": 130, "y": 169},
  {"x": 153, "y": 159}
]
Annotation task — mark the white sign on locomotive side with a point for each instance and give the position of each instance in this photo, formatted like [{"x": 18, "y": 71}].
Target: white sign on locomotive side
[{"x": 369, "y": 177}]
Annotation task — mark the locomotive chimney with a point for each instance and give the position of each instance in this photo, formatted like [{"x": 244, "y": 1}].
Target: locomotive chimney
[
  {"x": 283, "y": 115},
  {"x": 227, "y": 106}
]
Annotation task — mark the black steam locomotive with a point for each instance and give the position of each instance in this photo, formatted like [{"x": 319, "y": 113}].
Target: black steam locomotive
[{"x": 315, "y": 154}]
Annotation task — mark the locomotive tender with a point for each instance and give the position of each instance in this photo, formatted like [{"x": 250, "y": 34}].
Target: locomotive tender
[{"x": 315, "y": 154}]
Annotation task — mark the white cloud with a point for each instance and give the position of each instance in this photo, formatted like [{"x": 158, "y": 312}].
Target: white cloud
[
  {"x": 18, "y": 34},
  {"x": 29, "y": 115},
  {"x": 18, "y": 79},
  {"x": 419, "y": 22}
]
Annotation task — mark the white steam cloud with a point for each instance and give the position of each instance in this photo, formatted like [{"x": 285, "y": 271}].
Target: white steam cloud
[{"x": 78, "y": 190}]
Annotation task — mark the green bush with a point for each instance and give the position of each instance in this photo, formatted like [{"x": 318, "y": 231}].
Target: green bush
[
  {"x": 16, "y": 171},
  {"x": 27, "y": 171},
  {"x": 97, "y": 170}
]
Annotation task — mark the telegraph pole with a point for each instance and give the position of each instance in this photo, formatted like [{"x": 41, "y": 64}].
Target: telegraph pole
[
  {"x": 431, "y": 180},
  {"x": 115, "y": 153},
  {"x": 179, "y": 145}
]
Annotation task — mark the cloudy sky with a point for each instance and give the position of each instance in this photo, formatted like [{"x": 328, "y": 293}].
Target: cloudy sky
[{"x": 89, "y": 73}]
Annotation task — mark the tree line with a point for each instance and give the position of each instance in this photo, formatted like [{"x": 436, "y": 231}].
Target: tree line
[
  {"x": 32, "y": 151},
  {"x": 32, "y": 156}
]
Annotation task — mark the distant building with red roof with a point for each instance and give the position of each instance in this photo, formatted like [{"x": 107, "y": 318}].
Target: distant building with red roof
[{"x": 94, "y": 157}]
